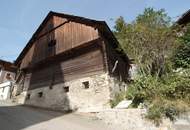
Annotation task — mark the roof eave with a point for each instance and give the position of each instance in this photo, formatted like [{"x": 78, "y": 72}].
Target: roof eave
[{"x": 184, "y": 18}]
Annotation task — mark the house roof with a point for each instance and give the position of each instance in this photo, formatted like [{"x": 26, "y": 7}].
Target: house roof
[
  {"x": 3, "y": 62},
  {"x": 101, "y": 25},
  {"x": 7, "y": 65},
  {"x": 185, "y": 18}
]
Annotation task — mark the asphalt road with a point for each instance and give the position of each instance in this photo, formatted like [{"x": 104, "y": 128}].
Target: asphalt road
[{"x": 16, "y": 117}]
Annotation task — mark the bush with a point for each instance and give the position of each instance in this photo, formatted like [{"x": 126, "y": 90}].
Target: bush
[
  {"x": 181, "y": 57},
  {"x": 143, "y": 89},
  {"x": 177, "y": 87},
  {"x": 167, "y": 96},
  {"x": 155, "y": 113}
]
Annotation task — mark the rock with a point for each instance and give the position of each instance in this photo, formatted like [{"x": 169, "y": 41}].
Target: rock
[{"x": 124, "y": 104}]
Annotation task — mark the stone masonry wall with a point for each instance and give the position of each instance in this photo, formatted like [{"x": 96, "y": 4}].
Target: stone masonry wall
[
  {"x": 97, "y": 97},
  {"x": 134, "y": 119}
]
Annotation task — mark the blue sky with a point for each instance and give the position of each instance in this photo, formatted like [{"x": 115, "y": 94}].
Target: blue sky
[{"x": 20, "y": 18}]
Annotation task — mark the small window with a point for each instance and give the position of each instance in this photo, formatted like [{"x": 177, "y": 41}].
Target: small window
[
  {"x": 40, "y": 94},
  {"x": 8, "y": 76},
  {"x": 51, "y": 87},
  {"x": 66, "y": 89},
  {"x": 52, "y": 43},
  {"x": 28, "y": 96},
  {"x": 52, "y": 82},
  {"x": 86, "y": 84},
  {"x": 120, "y": 88},
  {"x": 50, "y": 26}
]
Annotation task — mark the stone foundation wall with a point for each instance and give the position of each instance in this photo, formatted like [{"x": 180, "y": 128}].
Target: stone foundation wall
[
  {"x": 97, "y": 97},
  {"x": 134, "y": 119}
]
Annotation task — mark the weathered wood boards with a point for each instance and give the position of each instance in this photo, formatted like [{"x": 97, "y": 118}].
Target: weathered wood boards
[{"x": 69, "y": 47}]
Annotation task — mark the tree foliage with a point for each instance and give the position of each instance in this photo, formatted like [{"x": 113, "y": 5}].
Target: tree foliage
[
  {"x": 157, "y": 49},
  {"x": 182, "y": 55},
  {"x": 149, "y": 40},
  {"x": 164, "y": 97}
]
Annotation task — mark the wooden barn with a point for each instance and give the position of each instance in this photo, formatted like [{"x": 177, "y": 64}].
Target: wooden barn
[{"x": 71, "y": 62}]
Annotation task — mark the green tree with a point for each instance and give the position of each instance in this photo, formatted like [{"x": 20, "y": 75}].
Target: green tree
[
  {"x": 148, "y": 39},
  {"x": 156, "y": 46},
  {"x": 182, "y": 55}
]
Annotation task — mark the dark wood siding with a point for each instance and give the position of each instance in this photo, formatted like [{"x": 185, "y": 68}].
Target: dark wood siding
[
  {"x": 86, "y": 64},
  {"x": 67, "y": 36},
  {"x": 28, "y": 58},
  {"x": 72, "y": 34},
  {"x": 117, "y": 66}
]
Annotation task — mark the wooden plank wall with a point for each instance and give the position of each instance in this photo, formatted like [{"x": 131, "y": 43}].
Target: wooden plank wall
[
  {"x": 68, "y": 36},
  {"x": 72, "y": 34},
  {"x": 28, "y": 57},
  {"x": 87, "y": 64}
]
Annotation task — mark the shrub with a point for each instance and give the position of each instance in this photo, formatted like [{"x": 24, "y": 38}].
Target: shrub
[
  {"x": 155, "y": 113},
  {"x": 143, "y": 89},
  {"x": 181, "y": 57},
  {"x": 167, "y": 96}
]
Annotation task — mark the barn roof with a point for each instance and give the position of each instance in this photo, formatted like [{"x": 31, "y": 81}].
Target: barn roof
[
  {"x": 101, "y": 25},
  {"x": 185, "y": 18}
]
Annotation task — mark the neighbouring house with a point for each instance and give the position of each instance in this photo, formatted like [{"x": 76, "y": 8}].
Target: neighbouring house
[
  {"x": 7, "y": 75},
  {"x": 182, "y": 22},
  {"x": 71, "y": 63}
]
